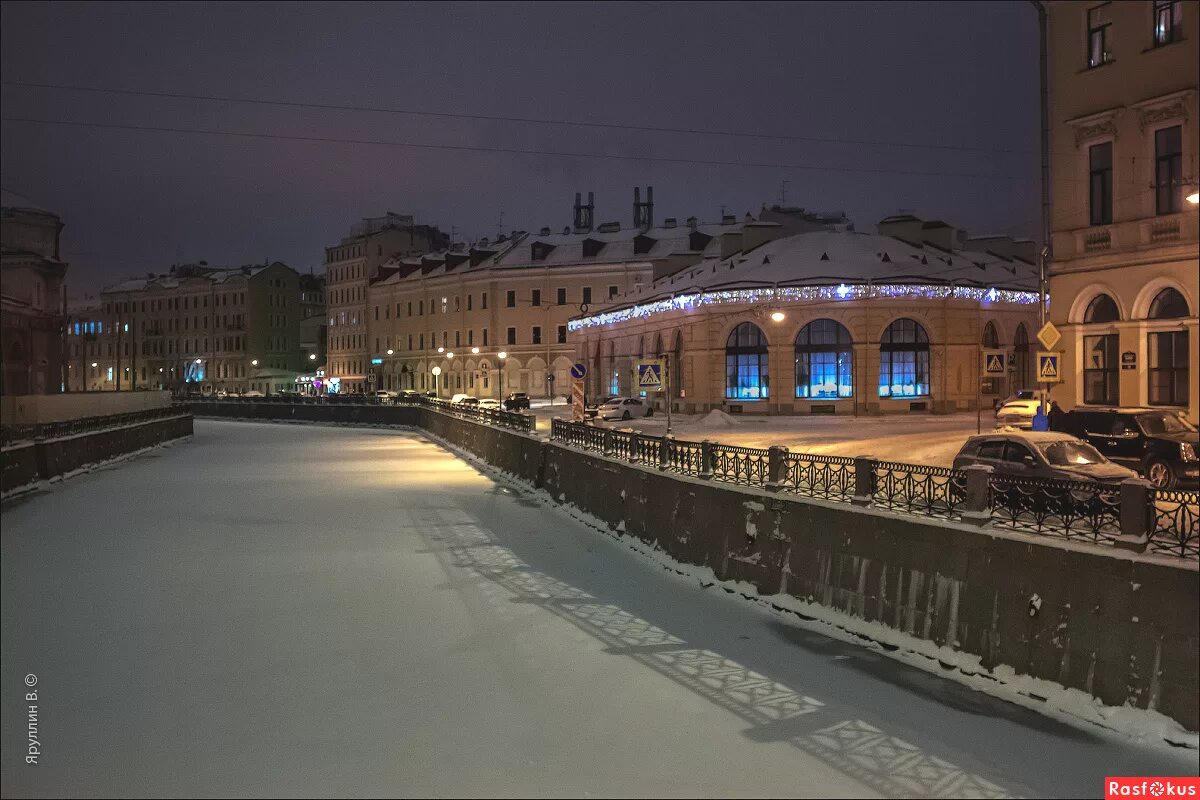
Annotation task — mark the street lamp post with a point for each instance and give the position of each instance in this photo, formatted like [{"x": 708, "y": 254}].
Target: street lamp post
[
  {"x": 502, "y": 355},
  {"x": 437, "y": 389}
]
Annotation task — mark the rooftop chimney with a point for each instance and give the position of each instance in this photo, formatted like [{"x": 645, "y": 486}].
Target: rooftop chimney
[
  {"x": 643, "y": 213},
  {"x": 584, "y": 215},
  {"x": 546, "y": 231},
  {"x": 692, "y": 222}
]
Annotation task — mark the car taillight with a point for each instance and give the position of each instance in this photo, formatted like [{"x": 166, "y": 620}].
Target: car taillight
[{"x": 1186, "y": 451}]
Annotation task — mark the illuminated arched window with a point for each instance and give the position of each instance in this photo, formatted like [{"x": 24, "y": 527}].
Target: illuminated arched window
[
  {"x": 904, "y": 360},
  {"x": 824, "y": 361},
  {"x": 746, "y": 363}
]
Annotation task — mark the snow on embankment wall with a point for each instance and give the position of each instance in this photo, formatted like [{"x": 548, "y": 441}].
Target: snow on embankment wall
[
  {"x": 24, "y": 464},
  {"x": 1121, "y": 630}
]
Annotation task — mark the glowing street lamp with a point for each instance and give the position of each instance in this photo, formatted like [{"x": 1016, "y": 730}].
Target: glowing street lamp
[
  {"x": 475, "y": 350},
  {"x": 1194, "y": 198},
  {"x": 502, "y": 355},
  {"x": 449, "y": 355},
  {"x": 436, "y": 386},
  {"x": 312, "y": 356},
  {"x": 254, "y": 362},
  {"x": 778, "y": 316},
  {"x": 441, "y": 349},
  {"x": 391, "y": 351}
]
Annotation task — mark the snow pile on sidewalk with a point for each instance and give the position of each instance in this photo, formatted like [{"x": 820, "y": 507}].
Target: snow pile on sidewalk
[{"x": 717, "y": 420}]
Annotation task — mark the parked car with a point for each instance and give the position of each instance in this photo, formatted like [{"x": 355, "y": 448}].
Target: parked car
[
  {"x": 1042, "y": 454},
  {"x": 1160, "y": 444},
  {"x": 516, "y": 401},
  {"x": 458, "y": 398},
  {"x": 624, "y": 408},
  {"x": 1018, "y": 413},
  {"x": 384, "y": 396},
  {"x": 472, "y": 402},
  {"x": 490, "y": 403},
  {"x": 1021, "y": 394},
  {"x": 252, "y": 393},
  {"x": 590, "y": 410}
]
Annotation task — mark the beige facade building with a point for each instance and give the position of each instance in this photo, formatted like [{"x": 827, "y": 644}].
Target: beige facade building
[
  {"x": 31, "y": 299},
  {"x": 350, "y": 267},
  {"x": 197, "y": 328},
  {"x": 828, "y": 321},
  {"x": 493, "y": 317},
  {"x": 1125, "y": 259}
]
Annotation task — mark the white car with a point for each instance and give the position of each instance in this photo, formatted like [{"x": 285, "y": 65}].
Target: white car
[
  {"x": 1017, "y": 413},
  {"x": 458, "y": 398},
  {"x": 489, "y": 403},
  {"x": 252, "y": 393},
  {"x": 624, "y": 408}
]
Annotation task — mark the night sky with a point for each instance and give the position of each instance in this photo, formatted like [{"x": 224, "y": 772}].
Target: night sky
[{"x": 955, "y": 76}]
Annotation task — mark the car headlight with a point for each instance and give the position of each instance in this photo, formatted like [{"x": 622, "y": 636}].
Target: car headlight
[{"x": 1186, "y": 451}]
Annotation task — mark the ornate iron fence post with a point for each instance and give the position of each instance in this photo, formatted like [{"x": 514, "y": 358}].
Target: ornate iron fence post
[
  {"x": 607, "y": 447},
  {"x": 664, "y": 452},
  {"x": 633, "y": 447},
  {"x": 864, "y": 481},
  {"x": 976, "y": 504},
  {"x": 707, "y": 454},
  {"x": 1137, "y": 508},
  {"x": 776, "y": 467}
]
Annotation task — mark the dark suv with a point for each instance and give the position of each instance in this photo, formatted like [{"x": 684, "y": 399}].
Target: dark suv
[
  {"x": 516, "y": 401},
  {"x": 1159, "y": 444}
]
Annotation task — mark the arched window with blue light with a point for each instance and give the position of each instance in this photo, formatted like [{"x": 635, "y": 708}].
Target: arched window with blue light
[
  {"x": 746, "y": 363},
  {"x": 824, "y": 361},
  {"x": 904, "y": 360}
]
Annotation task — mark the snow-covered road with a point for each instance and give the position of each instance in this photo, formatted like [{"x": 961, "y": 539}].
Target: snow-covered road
[{"x": 304, "y": 610}]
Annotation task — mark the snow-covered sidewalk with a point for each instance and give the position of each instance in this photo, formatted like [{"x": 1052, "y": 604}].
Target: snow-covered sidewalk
[{"x": 913, "y": 438}]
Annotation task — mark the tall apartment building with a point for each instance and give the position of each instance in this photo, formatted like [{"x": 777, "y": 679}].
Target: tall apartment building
[
  {"x": 31, "y": 296},
  {"x": 350, "y": 266},
  {"x": 493, "y": 316},
  {"x": 1123, "y": 280},
  {"x": 197, "y": 327},
  {"x": 313, "y": 319}
]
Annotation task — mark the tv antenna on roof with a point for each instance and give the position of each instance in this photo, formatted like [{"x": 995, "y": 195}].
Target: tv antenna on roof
[{"x": 783, "y": 193}]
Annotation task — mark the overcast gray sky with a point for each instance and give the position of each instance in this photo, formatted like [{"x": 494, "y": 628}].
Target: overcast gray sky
[{"x": 945, "y": 75}]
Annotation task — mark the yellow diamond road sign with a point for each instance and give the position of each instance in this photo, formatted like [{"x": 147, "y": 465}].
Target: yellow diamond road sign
[{"x": 1048, "y": 335}]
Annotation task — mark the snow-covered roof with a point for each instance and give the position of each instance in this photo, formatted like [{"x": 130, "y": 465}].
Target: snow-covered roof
[
  {"x": 837, "y": 257},
  {"x": 625, "y": 244},
  {"x": 196, "y": 273}
]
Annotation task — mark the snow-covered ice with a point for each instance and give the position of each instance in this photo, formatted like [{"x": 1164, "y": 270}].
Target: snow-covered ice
[{"x": 306, "y": 610}]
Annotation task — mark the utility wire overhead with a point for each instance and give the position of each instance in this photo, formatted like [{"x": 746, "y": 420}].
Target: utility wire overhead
[
  {"x": 499, "y": 118},
  {"x": 510, "y": 150}
]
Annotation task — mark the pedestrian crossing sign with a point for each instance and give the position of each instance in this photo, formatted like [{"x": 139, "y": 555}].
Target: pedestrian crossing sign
[
  {"x": 1048, "y": 368},
  {"x": 994, "y": 363},
  {"x": 650, "y": 375}
]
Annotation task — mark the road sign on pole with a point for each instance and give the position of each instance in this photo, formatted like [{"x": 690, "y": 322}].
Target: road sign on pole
[
  {"x": 1049, "y": 335},
  {"x": 1048, "y": 367},
  {"x": 578, "y": 371},
  {"x": 577, "y": 399},
  {"x": 649, "y": 375},
  {"x": 994, "y": 363}
]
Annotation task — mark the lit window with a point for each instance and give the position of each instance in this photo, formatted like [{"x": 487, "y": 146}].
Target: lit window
[
  {"x": 746, "y": 363},
  {"x": 904, "y": 360},
  {"x": 824, "y": 361}
]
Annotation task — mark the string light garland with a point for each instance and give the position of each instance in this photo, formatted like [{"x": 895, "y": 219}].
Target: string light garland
[{"x": 891, "y": 291}]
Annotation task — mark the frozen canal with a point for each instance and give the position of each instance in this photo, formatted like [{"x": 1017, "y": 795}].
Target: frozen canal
[{"x": 301, "y": 610}]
